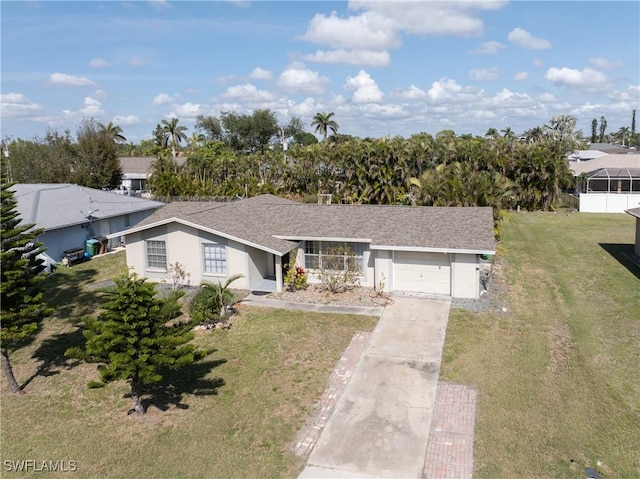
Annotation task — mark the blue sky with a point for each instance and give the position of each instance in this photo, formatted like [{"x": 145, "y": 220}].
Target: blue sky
[{"x": 383, "y": 68}]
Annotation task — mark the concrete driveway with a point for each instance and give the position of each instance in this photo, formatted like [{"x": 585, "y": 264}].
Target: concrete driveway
[{"x": 380, "y": 426}]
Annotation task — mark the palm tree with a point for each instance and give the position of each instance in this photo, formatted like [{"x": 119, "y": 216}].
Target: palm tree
[
  {"x": 323, "y": 123},
  {"x": 112, "y": 131},
  {"x": 492, "y": 134},
  {"x": 197, "y": 139},
  {"x": 561, "y": 129},
  {"x": 508, "y": 132},
  {"x": 173, "y": 135},
  {"x": 534, "y": 135},
  {"x": 623, "y": 134}
]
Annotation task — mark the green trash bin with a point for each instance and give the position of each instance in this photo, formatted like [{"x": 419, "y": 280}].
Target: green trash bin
[{"x": 92, "y": 246}]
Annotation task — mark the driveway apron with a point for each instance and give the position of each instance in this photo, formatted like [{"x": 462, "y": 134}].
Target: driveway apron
[{"x": 380, "y": 425}]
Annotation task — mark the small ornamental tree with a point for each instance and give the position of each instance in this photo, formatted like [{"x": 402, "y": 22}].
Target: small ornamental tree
[
  {"x": 21, "y": 302},
  {"x": 132, "y": 339},
  {"x": 209, "y": 305}
]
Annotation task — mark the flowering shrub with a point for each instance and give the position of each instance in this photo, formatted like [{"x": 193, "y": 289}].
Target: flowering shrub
[{"x": 296, "y": 278}]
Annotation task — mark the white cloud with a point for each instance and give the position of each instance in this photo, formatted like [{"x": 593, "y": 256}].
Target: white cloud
[
  {"x": 379, "y": 27},
  {"x": 17, "y": 105},
  {"x": 305, "y": 109},
  {"x": 187, "y": 110},
  {"x": 297, "y": 78},
  {"x": 587, "y": 78},
  {"x": 92, "y": 108},
  {"x": 164, "y": 98},
  {"x": 248, "y": 93},
  {"x": 411, "y": 93},
  {"x": 631, "y": 94},
  {"x": 351, "y": 57},
  {"x": 484, "y": 74},
  {"x": 260, "y": 74},
  {"x": 521, "y": 76},
  {"x": 364, "y": 88},
  {"x": 443, "y": 89},
  {"x": 547, "y": 98},
  {"x": 538, "y": 63},
  {"x": 69, "y": 80},
  {"x": 524, "y": 39},
  {"x": 100, "y": 63},
  {"x": 100, "y": 94},
  {"x": 604, "y": 64},
  {"x": 488, "y": 48},
  {"x": 126, "y": 120},
  {"x": 369, "y": 30}
]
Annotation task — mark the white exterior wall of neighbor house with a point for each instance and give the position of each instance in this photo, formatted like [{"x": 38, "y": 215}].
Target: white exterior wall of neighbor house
[
  {"x": 74, "y": 236},
  {"x": 608, "y": 202},
  {"x": 185, "y": 246}
]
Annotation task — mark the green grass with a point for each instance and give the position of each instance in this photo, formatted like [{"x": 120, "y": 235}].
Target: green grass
[
  {"x": 235, "y": 414},
  {"x": 558, "y": 374}
]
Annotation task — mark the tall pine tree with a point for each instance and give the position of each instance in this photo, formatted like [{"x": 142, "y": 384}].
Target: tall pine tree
[
  {"x": 22, "y": 304},
  {"x": 131, "y": 339}
]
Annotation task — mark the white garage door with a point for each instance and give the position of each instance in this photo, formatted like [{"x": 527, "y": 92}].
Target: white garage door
[{"x": 422, "y": 272}]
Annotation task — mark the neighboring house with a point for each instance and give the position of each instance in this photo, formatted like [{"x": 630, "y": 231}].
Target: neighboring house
[
  {"x": 636, "y": 213},
  {"x": 585, "y": 155},
  {"x": 402, "y": 248},
  {"x": 72, "y": 214},
  {"x": 609, "y": 184},
  {"x": 136, "y": 171},
  {"x": 610, "y": 149}
]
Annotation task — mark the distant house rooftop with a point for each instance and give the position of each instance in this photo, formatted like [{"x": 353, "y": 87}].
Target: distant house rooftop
[
  {"x": 612, "y": 149},
  {"x": 58, "y": 205}
]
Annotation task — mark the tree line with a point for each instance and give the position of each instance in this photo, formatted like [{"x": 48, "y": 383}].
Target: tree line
[{"x": 238, "y": 154}]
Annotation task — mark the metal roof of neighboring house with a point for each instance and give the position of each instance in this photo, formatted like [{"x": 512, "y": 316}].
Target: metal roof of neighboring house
[
  {"x": 142, "y": 165},
  {"x": 582, "y": 155},
  {"x": 634, "y": 212},
  {"x": 277, "y": 224},
  {"x": 609, "y": 161},
  {"x": 57, "y": 205}
]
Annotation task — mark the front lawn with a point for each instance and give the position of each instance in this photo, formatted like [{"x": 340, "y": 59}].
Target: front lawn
[
  {"x": 234, "y": 414},
  {"x": 558, "y": 374}
]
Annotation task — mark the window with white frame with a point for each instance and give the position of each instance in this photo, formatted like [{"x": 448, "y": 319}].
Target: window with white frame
[
  {"x": 335, "y": 255},
  {"x": 215, "y": 258},
  {"x": 156, "y": 254}
]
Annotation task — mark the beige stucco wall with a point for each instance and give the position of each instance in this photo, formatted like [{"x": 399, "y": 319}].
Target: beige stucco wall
[
  {"x": 184, "y": 245},
  {"x": 465, "y": 276}
]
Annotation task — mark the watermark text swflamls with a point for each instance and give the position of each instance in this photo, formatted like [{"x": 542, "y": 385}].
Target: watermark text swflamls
[{"x": 33, "y": 465}]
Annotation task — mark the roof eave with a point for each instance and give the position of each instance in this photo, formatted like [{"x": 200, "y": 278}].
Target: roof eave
[
  {"x": 426, "y": 249},
  {"x": 201, "y": 228}
]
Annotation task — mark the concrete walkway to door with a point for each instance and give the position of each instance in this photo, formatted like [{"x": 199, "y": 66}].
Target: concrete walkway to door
[{"x": 380, "y": 425}]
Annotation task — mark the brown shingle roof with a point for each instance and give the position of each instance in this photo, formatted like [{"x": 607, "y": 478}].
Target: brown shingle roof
[
  {"x": 270, "y": 222},
  {"x": 141, "y": 165}
]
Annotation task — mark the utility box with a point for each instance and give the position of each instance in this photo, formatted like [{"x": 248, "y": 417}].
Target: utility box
[{"x": 92, "y": 246}]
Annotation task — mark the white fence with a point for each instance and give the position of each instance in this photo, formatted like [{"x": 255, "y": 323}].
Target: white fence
[{"x": 608, "y": 202}]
